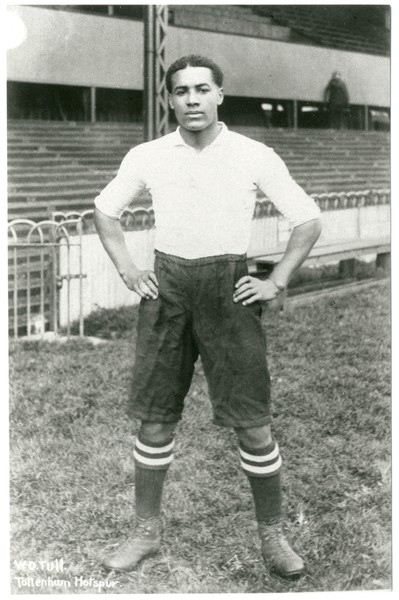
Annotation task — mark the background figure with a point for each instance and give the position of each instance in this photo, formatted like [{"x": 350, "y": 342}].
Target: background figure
[{"x": 336, "y": 97}]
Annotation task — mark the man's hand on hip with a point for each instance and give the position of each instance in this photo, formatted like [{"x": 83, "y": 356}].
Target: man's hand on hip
[
  {"x": 144, "y": 283},
  {"x": 250, "y": 289}
]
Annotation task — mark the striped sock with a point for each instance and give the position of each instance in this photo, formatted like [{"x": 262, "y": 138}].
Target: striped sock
[
  {"x": 153, "y": 455},
  {"x": 152, "y": 461},
  {"x": 262, "y": 467},
  {"x": 260, "y": 462}
]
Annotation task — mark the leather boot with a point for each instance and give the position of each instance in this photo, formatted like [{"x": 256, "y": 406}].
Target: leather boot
[
  {"x": 144, "y": 541},
  {"x": 276, "y": 551}
]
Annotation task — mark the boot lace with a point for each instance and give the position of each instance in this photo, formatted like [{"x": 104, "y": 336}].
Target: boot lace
[
  {"x": 146, "y": 527},
  {"x": 272, "y": 533}
]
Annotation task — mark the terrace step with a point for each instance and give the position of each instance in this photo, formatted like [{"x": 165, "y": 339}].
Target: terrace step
[{"x": 63, "y": 166}]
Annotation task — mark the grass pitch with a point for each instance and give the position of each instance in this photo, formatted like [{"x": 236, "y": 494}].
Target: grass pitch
[{"x": 72, "y": 471}]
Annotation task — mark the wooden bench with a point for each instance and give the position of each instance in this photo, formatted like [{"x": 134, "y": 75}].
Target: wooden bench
[{"x": 343, "y": 252}]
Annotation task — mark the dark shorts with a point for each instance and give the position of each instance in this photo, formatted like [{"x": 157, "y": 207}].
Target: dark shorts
[{"x": 193, "y": 315}]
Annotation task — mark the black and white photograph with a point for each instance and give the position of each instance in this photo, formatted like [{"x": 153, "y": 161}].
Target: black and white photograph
[{"x": 199, "y": 298}]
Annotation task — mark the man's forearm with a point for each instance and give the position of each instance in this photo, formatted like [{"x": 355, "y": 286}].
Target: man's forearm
[
  {"x": 143, "y": 282},
  {"x": 299, "y": 245},
  {"x": 113, "y": 240}
]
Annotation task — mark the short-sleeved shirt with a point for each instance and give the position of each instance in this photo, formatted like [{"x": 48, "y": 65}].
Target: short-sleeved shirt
[{"x": 204, "y": 201}]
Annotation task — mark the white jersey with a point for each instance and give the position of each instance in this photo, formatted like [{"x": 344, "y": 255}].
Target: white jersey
[{"x": 204, "y": 201}]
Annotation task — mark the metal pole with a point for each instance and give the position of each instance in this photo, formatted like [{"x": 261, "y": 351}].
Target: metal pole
[
  {"x": 161, "y": 94},
  {"x": 53, "y": 287},
  {"x": 93, "y": 107},
  {"x": 15, "y": 293},
  {"x": 28, "y": 297},
  {"x": 149, "y": 73},
  {"x": 81, "y": 322},
  {"x": 366, "y": 118},
  {"x": 68, "y": 289},
  {"x": 295, "y": 113}
]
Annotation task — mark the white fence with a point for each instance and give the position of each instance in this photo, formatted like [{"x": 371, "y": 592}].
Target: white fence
[
  {"x": 345, "y": 217},
  {"x": 102, "y": 286}
]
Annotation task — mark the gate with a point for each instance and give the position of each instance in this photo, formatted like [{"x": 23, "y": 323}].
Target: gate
[{"x": 34, "y": 277}]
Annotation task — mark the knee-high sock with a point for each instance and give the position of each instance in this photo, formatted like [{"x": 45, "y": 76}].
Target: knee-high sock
[
  {"x": 262, "y": 467},
  {"x": 152, "y": 460}
]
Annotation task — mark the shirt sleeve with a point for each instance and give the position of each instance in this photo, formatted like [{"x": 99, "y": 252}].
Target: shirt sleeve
[
  {"x": 288, "y": 197},
  {"x": 125, "y": 186}
]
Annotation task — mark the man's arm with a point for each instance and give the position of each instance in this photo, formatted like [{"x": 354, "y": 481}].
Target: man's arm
[
  {"x": 303, "y": 237},
  {"x": 109, "y": 229}
]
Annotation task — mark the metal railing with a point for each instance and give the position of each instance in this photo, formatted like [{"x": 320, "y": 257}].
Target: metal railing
[
  {"x": 332, "y": 201},
  {"x": 34, "y": 274},
  {"x": 49, "y": 260}
]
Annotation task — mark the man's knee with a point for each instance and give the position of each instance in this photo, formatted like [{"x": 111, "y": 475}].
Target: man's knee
[
  {"x": 156, "y": 432},
  {"x": 255, "y": 437}
]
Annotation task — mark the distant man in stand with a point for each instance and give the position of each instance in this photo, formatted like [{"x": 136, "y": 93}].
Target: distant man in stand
[
  {"x": 199, "y": 299},
  {"x": 336, "y": 97}
]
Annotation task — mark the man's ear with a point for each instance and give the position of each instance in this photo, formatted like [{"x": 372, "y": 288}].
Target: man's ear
[
  {"x": 221, "y": 96},
  {"x": 170, "y": 101}
]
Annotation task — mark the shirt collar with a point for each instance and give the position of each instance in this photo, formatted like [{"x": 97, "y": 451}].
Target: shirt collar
[{"x": 177, "y": 139}]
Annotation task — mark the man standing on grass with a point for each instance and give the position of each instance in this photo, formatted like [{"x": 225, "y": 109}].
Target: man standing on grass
[{"x": 200, "y": 300}]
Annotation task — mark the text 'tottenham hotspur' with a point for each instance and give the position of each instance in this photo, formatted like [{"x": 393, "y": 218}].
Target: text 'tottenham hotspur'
[{"x": 55, "y": 566}]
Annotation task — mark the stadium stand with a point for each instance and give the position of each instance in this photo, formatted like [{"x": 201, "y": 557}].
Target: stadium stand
[
  {"x": 228, "y": 19},
  {"x": 357, "y": 28},
  {"x": 63, "y": 165},
  {"x": 362, "y": 30},
  {"x": 68, "y": 129},
  {"x": 280, "y": 33}
]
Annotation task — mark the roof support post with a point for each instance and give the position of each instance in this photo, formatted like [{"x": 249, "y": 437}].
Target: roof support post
[{"x": 156, "y": 110}]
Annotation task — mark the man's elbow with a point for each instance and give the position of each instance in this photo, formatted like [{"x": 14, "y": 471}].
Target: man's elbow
[{"x": 310, "y": 230}]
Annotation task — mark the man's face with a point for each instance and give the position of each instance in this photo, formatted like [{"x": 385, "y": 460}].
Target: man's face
[{"x": 195, "y": 98}]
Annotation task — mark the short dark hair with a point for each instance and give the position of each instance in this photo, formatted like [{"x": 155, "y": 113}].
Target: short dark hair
[{"x": 194, "y": 60}]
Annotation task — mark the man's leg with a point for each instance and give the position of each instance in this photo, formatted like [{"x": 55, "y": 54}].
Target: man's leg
[
  {"x": 153, "y": 454},
  {"x": 261, "y": 462},
  {"x": 232, "y": 345},
  {"x": 164, "y": 364}
]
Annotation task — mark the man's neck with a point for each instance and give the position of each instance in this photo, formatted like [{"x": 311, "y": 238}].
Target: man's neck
[{"x": 200, "y": 139}]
